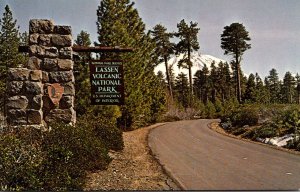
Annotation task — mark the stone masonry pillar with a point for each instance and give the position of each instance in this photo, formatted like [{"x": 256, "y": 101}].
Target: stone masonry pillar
[{"x": 50, "y": 64}]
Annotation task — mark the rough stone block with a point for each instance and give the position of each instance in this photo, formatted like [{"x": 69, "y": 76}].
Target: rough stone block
[
  {"x": 61, "y": 115},
  {"x": 34, "y": 63},
  {"x": 33, "y": 88},
  {"x": 15, "y": 87},
  {"x": 69, "y": 89},
  {"x": 65, "y": 65},
  {"x": 18, "y": 74},
  {"x": 51, "y": 52},
  {"x": 35, "y": 102},
  {"x": 44, "y": 40},
  {"x": 17, "y": 117},
  {"x": 42, "y": 26},
  {"x": 66, "y": 102},
  {"x": 45, "y": 77},
  {"x": 33, "y": 38},
  {"x": 61, "y": 40},
  {"x": 47, "y": 104},
  {"x": 17, "y": 102},
  {"x": 66, "y": 53},
  {"x": 35, "y": 75},
  {"x": 49, "y": 64},
  {"x": 62, "y": 30},
  {"x": 34, "y": 117},
  {"x": 35, "y": 50},
  {"x": 61, "y": 76}
]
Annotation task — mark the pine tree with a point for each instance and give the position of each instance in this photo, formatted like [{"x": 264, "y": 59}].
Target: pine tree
[
  {"x": 261, "y": 93},
  {"x": 250, "y": 89},
  {"x": 298, "y": 88},
  {"x": 213, "y": 78},
  {"x": 224, "y": 80},
  {"x": 82, "y": 76},
  {"x": 234, "y": 42},
  {"x": 288, "y": 88},
  {"x": 182, "y": 89},
  {"x": 164, "y": 49},
  {"x": 273, "y": 85},
  {"x": 201, "y": 84},
  {"x": 9, "y": 44},
  {"x": 188, "y": 42},
  {"x": 119, "y": 24}
]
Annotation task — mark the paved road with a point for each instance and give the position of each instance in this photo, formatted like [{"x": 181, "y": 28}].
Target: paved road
[{"x": 201, "y": 159}]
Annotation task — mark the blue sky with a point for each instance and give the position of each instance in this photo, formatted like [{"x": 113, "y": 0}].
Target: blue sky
[{"x": 274, "y": 25}]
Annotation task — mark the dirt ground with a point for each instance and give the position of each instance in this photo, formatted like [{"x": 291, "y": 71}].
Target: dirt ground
[{"x": 134, "y": 168}]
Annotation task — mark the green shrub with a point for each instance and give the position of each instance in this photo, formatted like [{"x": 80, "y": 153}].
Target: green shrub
[
  {"x": 210, "y": 110},
  {"x": 267, "y": 130},
  {"x": 238, "y": 131},
  {"x": 105, "y": 130},
  {"x": 294, "y": 144},
  {"x": 20, "y": 160},
  {"x": 70, "y": 152},
  {"x": 55, "y": 160},
  {"x": 242, "y": 117}
]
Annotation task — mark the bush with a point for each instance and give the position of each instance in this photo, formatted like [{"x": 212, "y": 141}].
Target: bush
[
  {"x": 55, "y": 160},
  {"x": 294, "y": 144},
  {"x": 105, "y": 130},
  {"x": 267, "y": 130},
  {"x": 242, "y": 117},
  {"x": 210, "y": 110},
  {"x": 70, "y": 152},
  {"x": 20, "y": 160}
]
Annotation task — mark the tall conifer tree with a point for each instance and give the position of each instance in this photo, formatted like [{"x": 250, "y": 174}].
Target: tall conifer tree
[
  {"x": 9, "y": 44},
  {"x": 164, "y": 49},
  {"x": 234, "y": 42},
  {"x": 119, "y": 24},
  {"x": 187, "y": 44}
]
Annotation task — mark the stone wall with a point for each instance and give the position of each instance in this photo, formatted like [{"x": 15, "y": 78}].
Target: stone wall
[{"x": 50, "y": 62}]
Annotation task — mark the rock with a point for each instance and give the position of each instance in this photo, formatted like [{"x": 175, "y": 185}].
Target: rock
[
  {"x": 66, "y": 102},
  {"x": 34, "y": 63},
  {"x": 51, "y": 52},
  {"x": 33, "y": 38},
  {"x": 34, "y": 117},
  {"x": 35, "y": 75},
  {"x": 44, "y": 40},
  {"x": 36, "y": 102},
  {"x": 33, "y": 88},
  {"x": 47, "y": 104},
  {"x": 17, "y": 102},
  {"x": 49, "y": 64},
  {"x": 69, "y": 89},
  {"x": 18, "y": 74},
  {"x": 61, "y": 40},
  {"x": 35, "y": 50},
  {"x": 41, "y": 26},
  {"x": 15, "y": 87},
  {"x": 66, "y": 53},
  {"x": 61, "y": 115},
  {"x": 65, "y": 64},
  {"x": 45, "y": 77},
  {"x": 17, "y": 117},
  {"x": 61, "y": 76},
  {"x": 63, "y": 30}
]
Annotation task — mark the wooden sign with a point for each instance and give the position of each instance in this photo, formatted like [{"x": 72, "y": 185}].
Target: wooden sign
[
  {"x": 55, "y": 92},
  {"x": 107, "y": 82}
]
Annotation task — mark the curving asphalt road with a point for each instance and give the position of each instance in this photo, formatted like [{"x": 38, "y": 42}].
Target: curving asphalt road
[{"x": 200, "y": 159}]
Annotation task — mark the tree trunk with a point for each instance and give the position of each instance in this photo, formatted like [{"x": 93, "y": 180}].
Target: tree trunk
[
  {"x": 238, "y": 79},
  {"x": 168, "y": 78},
  {"x": 190, "y": 77}
]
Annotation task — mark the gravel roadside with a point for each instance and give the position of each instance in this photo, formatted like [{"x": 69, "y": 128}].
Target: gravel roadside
[{"x": 134, "y": 168}]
